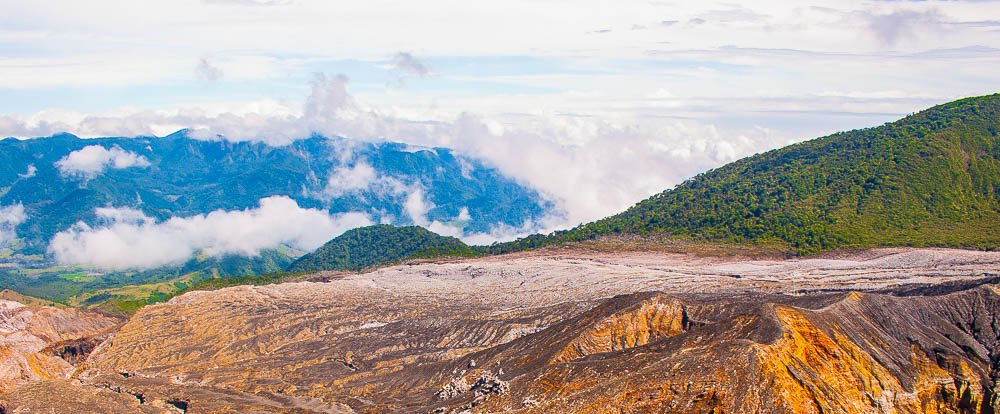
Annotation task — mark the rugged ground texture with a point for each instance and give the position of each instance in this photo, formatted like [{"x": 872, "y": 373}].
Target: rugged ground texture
[
  {"x": 567, "y": 330},
  {"x": 45, "y": 342}
]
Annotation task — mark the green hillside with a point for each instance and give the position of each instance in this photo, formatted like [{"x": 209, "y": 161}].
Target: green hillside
[
  {"x": 930, "y": 179},
  {"x": 377, "y": 245}
]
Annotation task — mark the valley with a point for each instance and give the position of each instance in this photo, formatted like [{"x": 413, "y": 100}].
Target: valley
[{"x": 441, "y": 207}]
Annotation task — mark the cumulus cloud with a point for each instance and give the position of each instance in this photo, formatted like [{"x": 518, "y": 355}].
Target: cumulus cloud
[
  {"x": 590, "y": 167},
  {"x": 92, "y": 160},
  {"x": 131, "y": 240},
  {"x": 408, "y": 64},
  {"x": 10, "y": 217},
  {"x": 207, "y": 71}
]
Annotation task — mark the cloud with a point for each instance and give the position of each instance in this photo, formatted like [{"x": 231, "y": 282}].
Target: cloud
[
  {"x": 10, "y": 217},
  {"x": 409, "y": 65},
  {"x": 328, "y": 102},
  {"x": 501, "y": 233},
  {"x": 207, "y": 71},
  {"x": 346, "y": 179},
  {"x": 131, "y": 240},
  {"x": 92, "y": 160},
  {"x": 112, "y": 215},
  {"x": 577, "y": 117},
  {"x": 892, "y": 28},
  {"x": 603, "y": 166},
  {"x": 594, "y": 168},
  {"x": 411, "y": 195},
  {"x": 736, "y": 15},
  {"x": 32, "y": 170},
  {"x": 250, "y": 2},
  {"x": 590, "y": 167},
  {"x": 416, "y": 206}
]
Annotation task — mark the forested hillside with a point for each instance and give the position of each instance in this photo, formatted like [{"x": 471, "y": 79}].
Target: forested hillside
[
  {"x": 930, "y": 179},
  {"x": 377, "y": 245}
]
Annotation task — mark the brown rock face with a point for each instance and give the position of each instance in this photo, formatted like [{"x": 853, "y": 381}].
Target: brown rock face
[
  {"x": 569, "y": 331},
  {"x": 43, "y": 342},
  {"x": 639, "y": 324}
]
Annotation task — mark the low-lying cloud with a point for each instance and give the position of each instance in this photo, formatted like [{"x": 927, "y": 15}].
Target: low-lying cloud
[
  {"x": 132, "y": 240},
  {"x": 32, "y": 170},
  {"x": 10, "y": 217},
  {"x": 589, "y": 167},
  {"x": 92, "y": 160},
  {"x": 345, "y": 179}
]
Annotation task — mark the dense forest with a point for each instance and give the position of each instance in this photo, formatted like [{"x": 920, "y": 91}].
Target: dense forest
[
  {"x": 930, "y": 179},
  {"x": 377, "y": 245}
]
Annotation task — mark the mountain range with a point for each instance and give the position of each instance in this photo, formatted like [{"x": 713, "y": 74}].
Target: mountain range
[
  {"x": 930, "y": 179},
  {"x": 202, "y": 194},
  {"x": 793, "y": 281},
  {"x": 179, "y": 176}
]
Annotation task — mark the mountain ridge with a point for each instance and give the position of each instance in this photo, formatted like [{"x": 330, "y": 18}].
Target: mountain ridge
[
  {"x": 382, "y": 244},
  {"x": 188, "y": 176},
  {"x": 931, "y": 179}
]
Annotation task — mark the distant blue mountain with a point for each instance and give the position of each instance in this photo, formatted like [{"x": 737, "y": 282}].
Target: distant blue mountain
[{"x": 187, "y": 176}]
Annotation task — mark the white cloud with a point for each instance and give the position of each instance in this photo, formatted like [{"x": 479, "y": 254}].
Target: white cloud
[
  {"x": 207, "y": 71},
  {"x": 594, "y": 122},
  {"x": 249, "y": 2},
  {"x": 113, "y": 215},
  {"x": 463, "y": 214},
  {"x": 346, "y": 179},
  {"x": 900, "y": 25},
  {"x": 590, "y": 167},
  {"x": 32, "y": 170},
  {"x": 92, "y": 160},
  {"x": 133, "y": 241},
  {"x": 10, "y": 217},
  {"x": 407, "y": 65},
  {"x": 501, "y": 233},
  {"x": 416, "y": 206},
  {"x": 410, "y": 65}
]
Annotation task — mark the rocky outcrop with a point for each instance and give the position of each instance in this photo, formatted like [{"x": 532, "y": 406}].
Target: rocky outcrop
[
  {"x": 649, "y": 320},
  {"x": 45, "y": 342},
  {"x": 891, "y": 331}
]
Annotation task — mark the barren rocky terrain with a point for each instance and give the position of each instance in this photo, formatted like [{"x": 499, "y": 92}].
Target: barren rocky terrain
[
  {"x": 566, "y": 330},
  {"x": 40, "y": 341}
]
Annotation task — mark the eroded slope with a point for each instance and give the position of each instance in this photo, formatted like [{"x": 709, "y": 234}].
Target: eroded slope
[
  {"x": 576, "y": 331},
  {"x": 44, "y": 342}
]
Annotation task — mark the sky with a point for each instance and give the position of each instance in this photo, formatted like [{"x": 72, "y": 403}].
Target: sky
[{"x": 596, "y": 104}]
